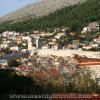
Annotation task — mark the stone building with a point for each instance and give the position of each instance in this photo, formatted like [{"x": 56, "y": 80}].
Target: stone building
[
  {"x": 30, "y": 43},
  {"x": 39, "y": 43},
  {"x": 92, "y": 27}
]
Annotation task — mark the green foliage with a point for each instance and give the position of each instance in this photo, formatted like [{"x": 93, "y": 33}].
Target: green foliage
[
  {"x": 67, "y": 39},
  {"x": 13, "y": 63},
  {"x": 94, "y": 49},
  {"x": 12, "y": 84},
  {"x": 74, "y": 17},
  {"x": 5, "y": 50}
]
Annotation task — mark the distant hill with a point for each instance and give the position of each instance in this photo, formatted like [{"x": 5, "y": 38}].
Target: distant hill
[
  {"x": 74, "y": 17},
  {"x": 44, "y": 7}
]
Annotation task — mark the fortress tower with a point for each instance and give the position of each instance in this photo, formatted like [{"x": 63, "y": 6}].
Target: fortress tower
[
  {"x": 30, "y": 43},
  {"x": 39, "y": 43}
]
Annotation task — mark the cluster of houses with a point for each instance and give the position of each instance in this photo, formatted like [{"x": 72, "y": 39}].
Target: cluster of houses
[
  {"x": 19, "y": 45},
  {"x": 95, "y": 43},
  {"x": 92, "y": 27},
  {"x": 17, "y": 41},
  {"x": 24, "y": 46},
  {"x": 11, "y": 40}
]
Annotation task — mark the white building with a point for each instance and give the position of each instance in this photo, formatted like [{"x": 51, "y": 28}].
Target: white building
[
  {"x": 92, "y": 27},
  {"x": 59, "y": 35},
  {"x": 15, "y": 48},
  {"x": 16, "y": 34},
  {"x": 19, "y": 40},
  {"x": 4, "y": 34},
  {"x": 86, "y": 47},
  {"x": 9, "y": 34},
  {"x": 24, "y": 44},
  {"x": 25, "y": 38},
  {"x": 95, "y": 45},
  {"x": 4, "y": 45},
  {"x": 24, "y": 50},
  {"x": 85, "y": 29},
  {"x": 97, "y": 40}
]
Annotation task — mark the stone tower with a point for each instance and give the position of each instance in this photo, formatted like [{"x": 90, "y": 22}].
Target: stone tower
[
  {"x": 30, "y": 43},
  {"x": 39, "y": 42}
]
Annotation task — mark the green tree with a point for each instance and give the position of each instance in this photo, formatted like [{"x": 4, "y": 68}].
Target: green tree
[{"x": 13, "y": 63}]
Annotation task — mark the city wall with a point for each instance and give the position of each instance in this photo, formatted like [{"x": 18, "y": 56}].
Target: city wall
[{"x": 65, "y": 53}]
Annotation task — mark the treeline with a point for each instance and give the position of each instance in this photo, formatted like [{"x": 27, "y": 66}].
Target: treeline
[{"x": 74, "y": 17}]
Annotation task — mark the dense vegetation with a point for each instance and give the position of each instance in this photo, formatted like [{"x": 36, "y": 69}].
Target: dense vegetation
[
  {"x": 74, "y": 17},
  {"x": 74, "y": 80},
  {"x": 13, "y": 63},
  {"x": 11, "y": 84}
]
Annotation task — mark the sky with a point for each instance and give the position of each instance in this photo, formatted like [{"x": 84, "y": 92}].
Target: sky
[{"x": 7, "y": 6}]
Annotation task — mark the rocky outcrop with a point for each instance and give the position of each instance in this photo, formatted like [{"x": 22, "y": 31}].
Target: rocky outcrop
[{"x": 41, "y": 8}]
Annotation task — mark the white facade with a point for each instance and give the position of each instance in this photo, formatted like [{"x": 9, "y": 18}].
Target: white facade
[
  {"x": 86, "y": 47},
  {"x": 24, "y": 50},
  {"x": 19, "y": 40},
  {"x": 95, "y": 45},
  {"x": 97, "y": 40},
  {"x": 57, "y": 37},
  {"x": 24, "y": 44},
  {"x": 85, "y": 29},
  {"x": 92, "y": 27},
  {"x": 66, "y": 53},
  {"x": 45, "y": 47},
  {"x": 15, "y": 48},
  {"x": 25, "y": 38},
  {"x": 8, "y": 34},
  {"x": 4, "y": 45},
  {"x": 16, "y": 34}
]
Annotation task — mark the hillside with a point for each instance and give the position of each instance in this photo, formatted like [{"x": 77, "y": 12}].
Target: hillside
[
  {"x": 74, "y": 17},
  {"x": 41, "y": 8}
]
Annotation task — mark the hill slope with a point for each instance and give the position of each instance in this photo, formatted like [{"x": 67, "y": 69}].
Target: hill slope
[
  {"x": 41, "y": 8},
  {"x": 73, "y": 16}
]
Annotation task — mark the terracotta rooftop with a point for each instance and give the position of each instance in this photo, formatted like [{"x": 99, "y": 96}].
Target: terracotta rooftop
[{"x": 84, "y": 61}]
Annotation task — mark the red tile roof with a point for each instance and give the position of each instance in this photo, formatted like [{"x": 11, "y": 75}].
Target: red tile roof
[
  {"x": 87, "y": 61},
  {"x": 53, "y": 72}
]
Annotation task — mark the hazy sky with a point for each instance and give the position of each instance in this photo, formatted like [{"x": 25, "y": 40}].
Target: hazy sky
[{"x": 7, "y": 6}]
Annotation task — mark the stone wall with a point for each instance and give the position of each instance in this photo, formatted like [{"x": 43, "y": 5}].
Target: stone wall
[{"x": 65, "y": 53}]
